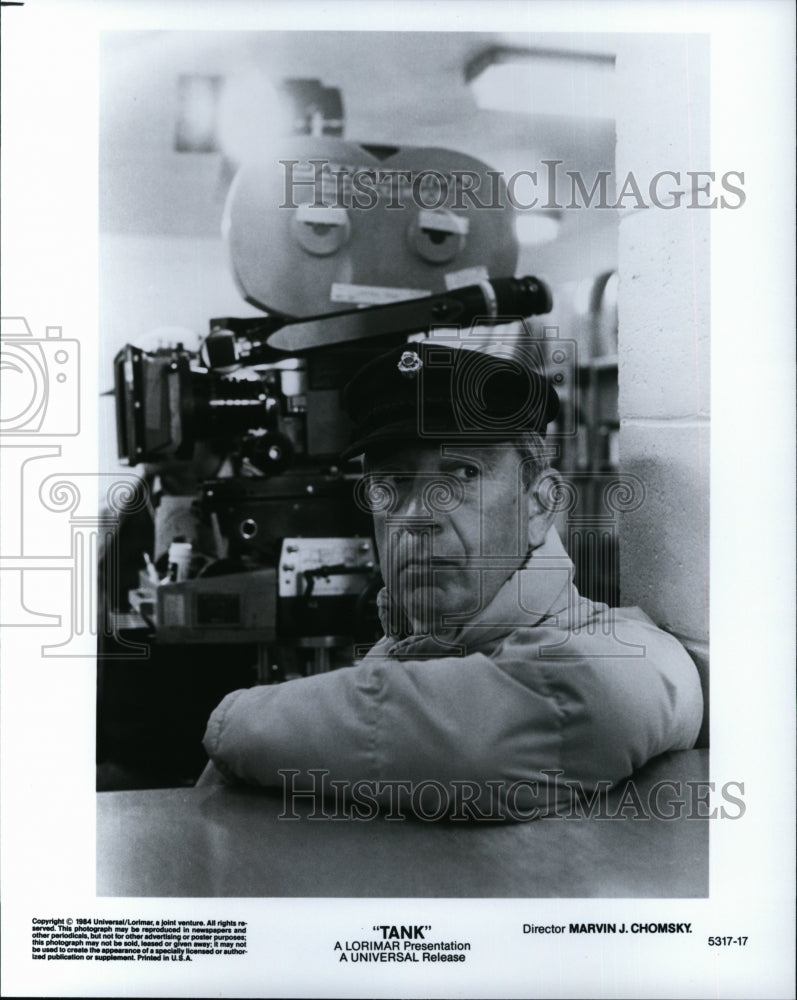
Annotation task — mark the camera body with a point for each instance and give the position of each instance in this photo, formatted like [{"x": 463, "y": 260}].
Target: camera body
[{"x": 41, "y": 381}]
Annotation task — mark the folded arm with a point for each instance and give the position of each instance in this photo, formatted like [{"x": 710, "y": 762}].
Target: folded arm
[{"x": 592, "y": 709}]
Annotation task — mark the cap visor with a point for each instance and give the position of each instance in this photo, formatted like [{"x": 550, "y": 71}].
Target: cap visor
[{"x": 404, "y": 430}]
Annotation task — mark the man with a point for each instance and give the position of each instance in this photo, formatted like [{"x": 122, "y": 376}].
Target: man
[{"x": 495, "y": 680}]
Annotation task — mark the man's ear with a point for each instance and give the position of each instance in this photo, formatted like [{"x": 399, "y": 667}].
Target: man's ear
[{"x": 543, "y": 494}]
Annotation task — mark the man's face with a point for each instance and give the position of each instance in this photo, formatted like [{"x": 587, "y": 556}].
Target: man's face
[{"x": 455, "y": 530}]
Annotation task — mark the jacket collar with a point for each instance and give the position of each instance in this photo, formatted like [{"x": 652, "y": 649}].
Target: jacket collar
[{"x": 541, "y": 589}]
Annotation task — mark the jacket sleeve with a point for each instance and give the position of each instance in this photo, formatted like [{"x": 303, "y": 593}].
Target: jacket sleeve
[{"x": 588, "y": 705}]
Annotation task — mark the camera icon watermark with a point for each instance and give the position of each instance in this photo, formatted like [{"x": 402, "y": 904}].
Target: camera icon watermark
[
  {"x": 499, "y": 384},
  {"x": 40, "y": 381},
  {"x": 52, "y": 532}
]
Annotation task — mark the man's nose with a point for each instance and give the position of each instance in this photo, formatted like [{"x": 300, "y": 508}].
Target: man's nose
[
  {"x": 411, "y": 526},
  {"x": 415, "y": 509},
  {"x": 411, "y": 505}
]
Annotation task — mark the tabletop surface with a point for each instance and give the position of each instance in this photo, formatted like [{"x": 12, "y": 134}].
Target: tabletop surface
[{"x": 225, "y": 841}]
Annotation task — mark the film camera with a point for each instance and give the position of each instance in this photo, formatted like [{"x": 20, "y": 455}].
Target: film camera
[{"x": 340, "y": 281}]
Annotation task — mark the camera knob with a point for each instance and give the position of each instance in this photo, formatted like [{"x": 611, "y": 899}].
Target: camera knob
[{"x": 271, "y": 452}]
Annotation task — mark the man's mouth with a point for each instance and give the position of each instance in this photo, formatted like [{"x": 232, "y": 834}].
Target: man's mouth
[
  {"x": 411, "y": 554},
  {"x": 429, "y": 564}
]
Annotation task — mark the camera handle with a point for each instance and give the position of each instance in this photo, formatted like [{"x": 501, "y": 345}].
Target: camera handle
[
  {"x": 489, "y": 302},
  {"x": 234, "y": 342}
]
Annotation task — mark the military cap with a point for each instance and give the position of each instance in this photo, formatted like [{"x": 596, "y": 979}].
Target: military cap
[{"x": 438, "y": 391}]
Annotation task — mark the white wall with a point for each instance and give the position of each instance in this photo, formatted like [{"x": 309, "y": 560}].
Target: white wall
[
  {"x": 664, "y": 340},
  {"x": 154, "y": 281}
]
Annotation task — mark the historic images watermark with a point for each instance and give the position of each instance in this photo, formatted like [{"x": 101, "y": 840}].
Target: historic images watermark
[
  {"x": 551, "y": 797},
  {"x": 337, "y": 185}
]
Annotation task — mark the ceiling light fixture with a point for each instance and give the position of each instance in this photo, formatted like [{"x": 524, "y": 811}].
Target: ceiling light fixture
[
  {"x": 534, "y": 228},
  {"x": 543, "y": 82}
]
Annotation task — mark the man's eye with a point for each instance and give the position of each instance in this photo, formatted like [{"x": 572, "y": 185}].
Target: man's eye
[
  {"x": 467, "y": 472},
  {"x": 388, "y": 481}
]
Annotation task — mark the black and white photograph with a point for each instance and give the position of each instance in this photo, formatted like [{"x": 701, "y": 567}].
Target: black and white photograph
[
  {"x": 397, "y": 467},
  {"x": 432, "y": 466}
]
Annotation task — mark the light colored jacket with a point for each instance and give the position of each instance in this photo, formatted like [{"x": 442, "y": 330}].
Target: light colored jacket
[{"x": 541, "y": 680}]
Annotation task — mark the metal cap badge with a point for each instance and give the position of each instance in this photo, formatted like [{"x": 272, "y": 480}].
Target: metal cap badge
[{"x": 410, "y": 364}]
